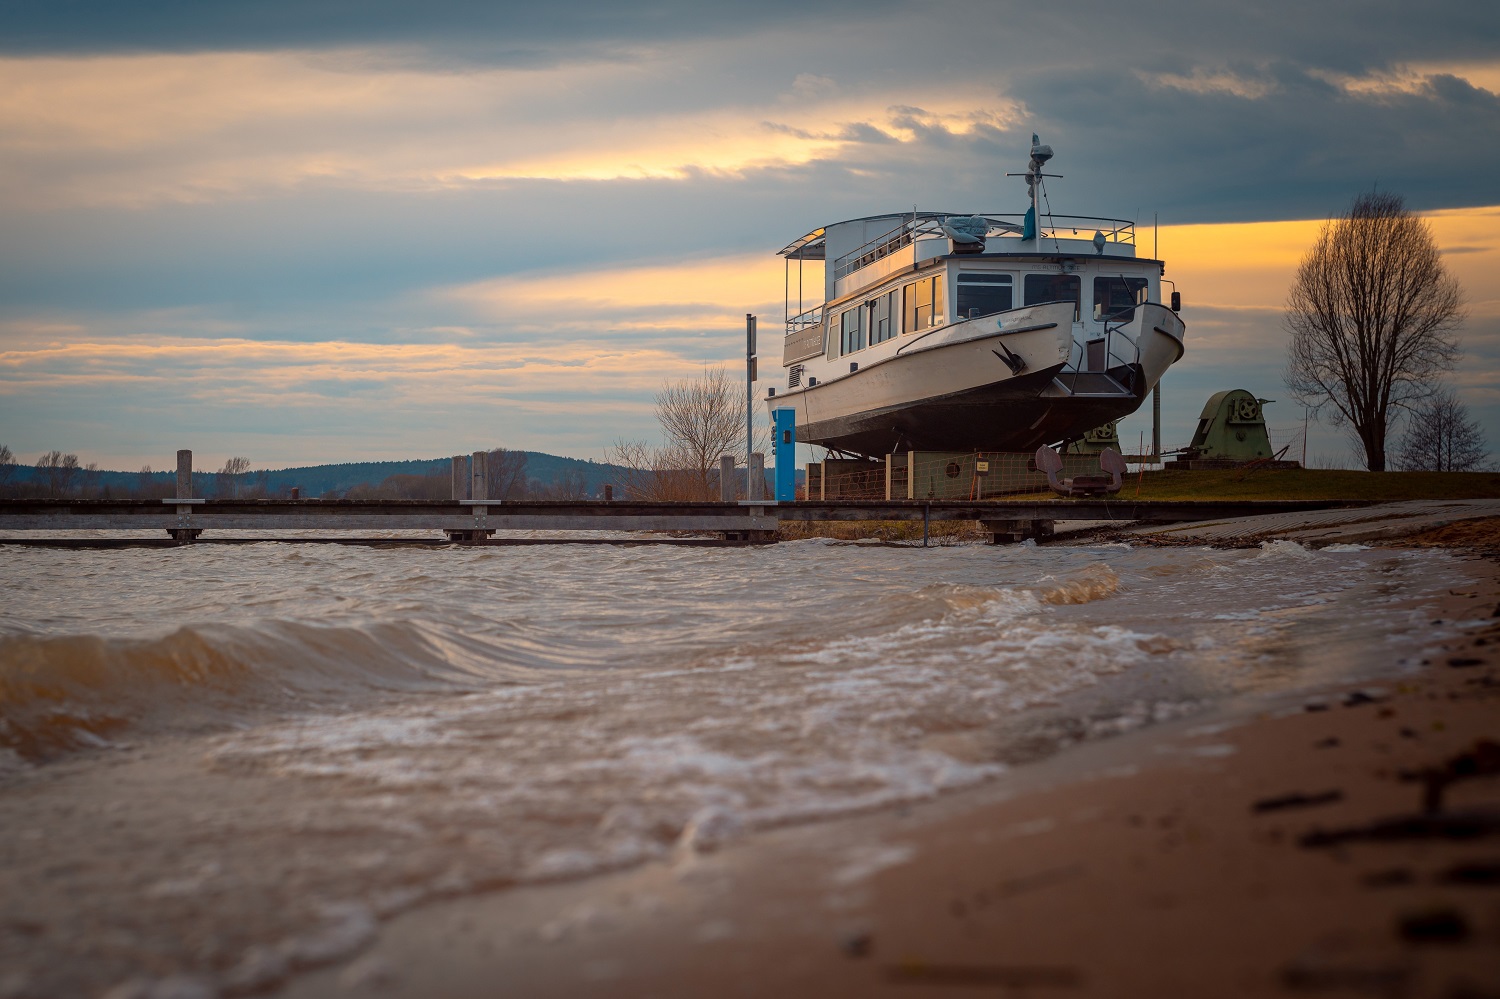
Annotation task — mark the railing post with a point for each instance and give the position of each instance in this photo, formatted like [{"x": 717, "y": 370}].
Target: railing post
[
  {"x": 726, "y": 479},
  {"x": 755, "y": 486},
  {"x": 480, "y": 488},
  {"x": 460, "y": 477}
]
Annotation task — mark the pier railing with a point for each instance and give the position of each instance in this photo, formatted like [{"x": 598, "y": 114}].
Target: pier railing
[{"x": 1004, "y": 499}]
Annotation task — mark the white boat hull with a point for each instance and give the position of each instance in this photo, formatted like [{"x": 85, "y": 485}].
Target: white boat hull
[{"x": 953, "y": 388}]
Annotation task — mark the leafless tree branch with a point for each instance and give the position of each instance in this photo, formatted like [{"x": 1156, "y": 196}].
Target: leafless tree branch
[{"x": 1373, "y": 317}]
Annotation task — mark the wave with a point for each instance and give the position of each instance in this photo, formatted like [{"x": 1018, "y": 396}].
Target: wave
[
  {"x": 59, "y": 693},
  {"x": 1094, "y": 583}
]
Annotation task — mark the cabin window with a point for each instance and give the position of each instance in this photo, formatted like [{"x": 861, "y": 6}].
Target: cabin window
[
  {"x": 924, "y": 303},
  {"x": 1115, "y": 298},
  {"x": 885, "y": 317},
  {"x": 984, "y": 294},
  {"x": 853, "y": 330},
  {"x": 1053, "y": 288}
]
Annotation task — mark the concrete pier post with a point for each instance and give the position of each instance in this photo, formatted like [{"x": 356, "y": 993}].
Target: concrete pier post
[
  {"x": 726, "y": 479},
  {"x": 460, "y": 477},
  {"x": 184, "y": 529},
  {"x": 755, "y": 487},
  {"x": 479, "y": 488},
  {"x": 471, "y": 485},
  {"x": 184, "y": 474}
]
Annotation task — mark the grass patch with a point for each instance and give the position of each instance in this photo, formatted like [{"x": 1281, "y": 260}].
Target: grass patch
[
  {"x": 1311, "y": 484},
  {"x": 941, "y": 532}
]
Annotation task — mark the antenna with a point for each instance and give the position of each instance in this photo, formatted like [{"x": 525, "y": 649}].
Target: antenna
[{"x": 1040, "y": 154}]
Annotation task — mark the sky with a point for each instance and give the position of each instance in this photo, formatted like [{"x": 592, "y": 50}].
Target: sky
[{"x": 330, "y": 230}]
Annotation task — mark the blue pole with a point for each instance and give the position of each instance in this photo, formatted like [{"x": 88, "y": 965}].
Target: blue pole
[{"x": 784, "y": 447}]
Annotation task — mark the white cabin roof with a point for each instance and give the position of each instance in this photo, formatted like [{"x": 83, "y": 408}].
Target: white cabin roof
[{"x": 859, "y": 252}]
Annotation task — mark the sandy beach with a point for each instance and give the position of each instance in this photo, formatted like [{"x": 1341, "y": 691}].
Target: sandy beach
[{"x": 1343, "y": 843}]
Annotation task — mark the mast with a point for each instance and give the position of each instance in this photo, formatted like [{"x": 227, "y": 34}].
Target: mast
[{"x": 1040, "y": 154}]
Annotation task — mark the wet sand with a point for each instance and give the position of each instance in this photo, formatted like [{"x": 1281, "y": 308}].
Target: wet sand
[{"x": 1345, "y": 843}]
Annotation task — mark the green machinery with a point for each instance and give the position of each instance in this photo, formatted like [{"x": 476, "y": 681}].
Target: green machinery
[
  {"x": 1097, "y": 440},
  {"x": 1231, "y": 431}
]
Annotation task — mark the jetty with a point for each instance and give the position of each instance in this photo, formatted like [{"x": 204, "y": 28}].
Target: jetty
[{"x": 469, "y": 517}]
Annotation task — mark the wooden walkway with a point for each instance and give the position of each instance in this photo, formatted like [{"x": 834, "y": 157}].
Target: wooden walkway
[{"x": 477, "y": 521}]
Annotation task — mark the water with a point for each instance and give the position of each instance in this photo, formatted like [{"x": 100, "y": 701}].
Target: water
[{"x": 226, "y": 762}]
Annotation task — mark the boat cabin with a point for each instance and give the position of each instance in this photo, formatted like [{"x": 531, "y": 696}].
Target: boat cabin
[{"x": 887, "y": 276}]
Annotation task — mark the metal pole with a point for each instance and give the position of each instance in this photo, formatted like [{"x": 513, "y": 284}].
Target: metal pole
[
  {"x": 1156, "y": 422},
  {"x": 1304, "y": 436},
  {"x": 749, "y": 386}
]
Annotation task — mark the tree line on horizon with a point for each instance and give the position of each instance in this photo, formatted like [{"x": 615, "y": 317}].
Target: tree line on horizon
[{"x": 57, "y": 475}]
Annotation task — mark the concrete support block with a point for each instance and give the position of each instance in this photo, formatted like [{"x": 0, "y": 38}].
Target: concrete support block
[
  {"x": 1008, "y": 532},
  {"x": 755, "y": 488}
]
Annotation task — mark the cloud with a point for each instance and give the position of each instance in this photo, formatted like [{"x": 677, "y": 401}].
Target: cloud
[
  {"x": 472, "y": 30},
  {"x": 558, "y": 193}
]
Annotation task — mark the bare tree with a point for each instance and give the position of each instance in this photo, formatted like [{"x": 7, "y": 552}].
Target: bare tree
[
  {"x": 7, "y": 464},
  {"x": 570, "y": 485},
  {"x": 505, "y": 472},
  {"x": 56, "y": 472},
  {"x": 701, "y": 418},
  {"x": 229, "y": 476},
  {"x": 1372, "y": 316},
  {"x": 1440, "y": 437},
  {"x": 655, "y": 474}
]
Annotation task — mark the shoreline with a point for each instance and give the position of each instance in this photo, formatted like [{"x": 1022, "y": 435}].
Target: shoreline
[
  {"x": 187, "y": 864},
  {"x": 1281, "y": 848}
]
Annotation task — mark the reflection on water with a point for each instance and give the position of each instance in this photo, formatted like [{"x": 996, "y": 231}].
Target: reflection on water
[{"x": 324, "y": 735}]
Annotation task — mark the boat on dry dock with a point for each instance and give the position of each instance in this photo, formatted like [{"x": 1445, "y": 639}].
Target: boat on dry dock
[{"x": 940, "y": 331}]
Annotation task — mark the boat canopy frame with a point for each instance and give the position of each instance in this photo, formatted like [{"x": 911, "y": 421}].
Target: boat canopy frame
[{"x": 919, "y": 225}]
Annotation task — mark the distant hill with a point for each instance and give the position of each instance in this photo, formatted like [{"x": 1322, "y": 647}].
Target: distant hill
[
  {"x": 321, "y": 480},
  {"x": 330, "y": 480}
]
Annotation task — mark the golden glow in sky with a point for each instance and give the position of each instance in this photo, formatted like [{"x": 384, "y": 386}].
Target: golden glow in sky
[{"x": 504, "y": 232}]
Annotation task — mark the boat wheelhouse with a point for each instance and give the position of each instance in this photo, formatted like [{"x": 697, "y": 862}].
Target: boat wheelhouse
[{"x": 942, "y": 331}]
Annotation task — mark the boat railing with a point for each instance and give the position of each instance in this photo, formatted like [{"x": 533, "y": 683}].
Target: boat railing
[
  {"x": 1124, "y": 317},
  {"x": 801, "y": 321},
  {"x": 1110, "y": 339},
  {"x": 930, "y": 225},
  {"x": 884, "y": 245},
  {"x": 1114, "y": 230}
]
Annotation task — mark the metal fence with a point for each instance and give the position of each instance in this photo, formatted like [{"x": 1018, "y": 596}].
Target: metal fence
[{"x": 945, "y": 475}]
